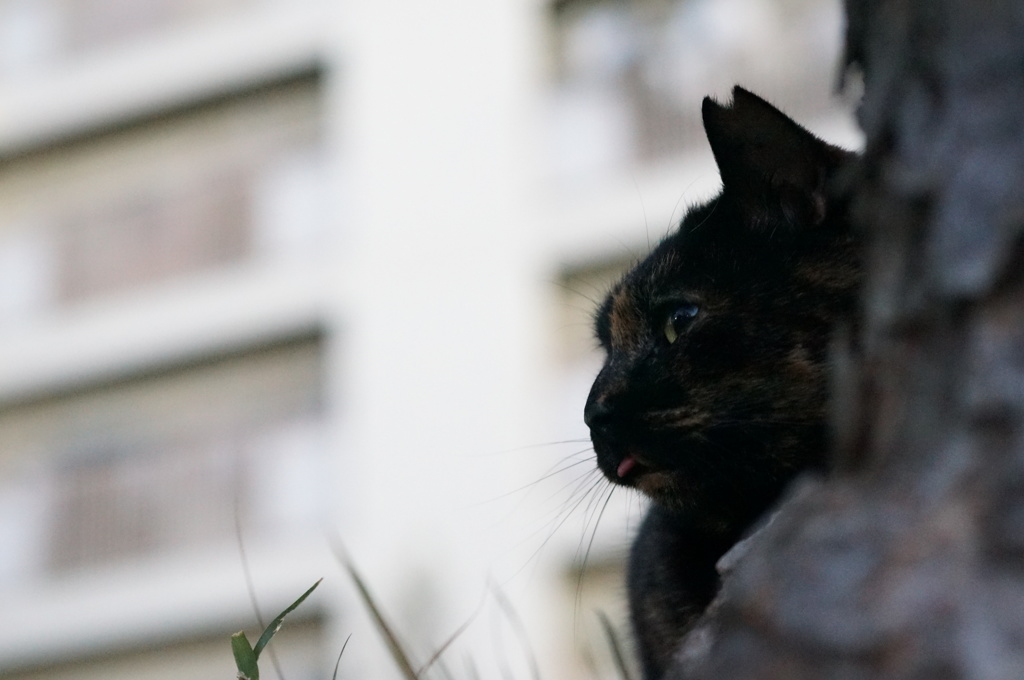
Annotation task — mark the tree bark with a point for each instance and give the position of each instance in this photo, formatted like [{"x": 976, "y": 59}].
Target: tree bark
[{"x": 908, "y": 562}]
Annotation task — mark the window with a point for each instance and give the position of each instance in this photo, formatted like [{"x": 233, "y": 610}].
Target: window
[
  {"x": 161, "y": 463},
  {"x": 232, "y": 180},
  {"x": 629, "y": 75},
  {"x": 38, "y": 31}
]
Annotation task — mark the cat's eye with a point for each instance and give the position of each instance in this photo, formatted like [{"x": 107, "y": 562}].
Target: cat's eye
[{"x": 679, "y": 320}]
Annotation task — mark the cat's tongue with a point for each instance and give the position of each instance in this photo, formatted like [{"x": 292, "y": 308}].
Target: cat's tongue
[{"x": 627, "y": 464}]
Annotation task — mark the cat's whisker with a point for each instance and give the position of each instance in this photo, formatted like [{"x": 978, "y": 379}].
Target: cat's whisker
[
  {"x": 531, "y": 447},
  {"x": 594, "y": 496},
  {"x": 577, "y": 496},
  {"x": 590, "y": 545},
  {"x": 643, "y": 210},
  {"x": 588, "y": 516},
  {"x": 529, "y": 488},
  {"x": 714, "y": 206},
  {"x": 561, "y": 517},
  {"x": 559, "y": 467},
  {"x": 598, "y": 507},
  {"x": 585, "y": 486},
  {"x": 594, "y": 301},
  {"x": 578, "y": 480},
  {"x": 673, "y": 221}
]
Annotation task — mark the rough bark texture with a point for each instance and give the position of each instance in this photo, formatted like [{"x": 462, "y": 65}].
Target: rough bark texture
[{"x": 909, "y": 562}]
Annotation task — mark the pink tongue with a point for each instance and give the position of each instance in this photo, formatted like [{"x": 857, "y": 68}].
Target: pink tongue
[{"x": 625, "y": 466}]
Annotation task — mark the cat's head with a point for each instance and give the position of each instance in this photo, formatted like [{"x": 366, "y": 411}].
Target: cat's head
[{"x": 713, "y": 391}]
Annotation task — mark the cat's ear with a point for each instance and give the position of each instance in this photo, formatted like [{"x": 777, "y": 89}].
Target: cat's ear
[{"x": 771, "y": 166}]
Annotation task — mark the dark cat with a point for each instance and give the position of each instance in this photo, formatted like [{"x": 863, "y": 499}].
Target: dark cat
[{"x": 713, "y": 394}]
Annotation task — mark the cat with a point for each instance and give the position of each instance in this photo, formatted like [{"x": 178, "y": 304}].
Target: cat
[{"x": 714, "y": 389}]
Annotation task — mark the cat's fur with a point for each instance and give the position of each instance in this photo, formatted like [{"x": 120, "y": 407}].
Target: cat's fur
[{"x": 713, "y": 394}]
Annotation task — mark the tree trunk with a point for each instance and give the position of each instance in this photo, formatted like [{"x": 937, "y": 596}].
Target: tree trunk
[{"x": 909, "y": 561}]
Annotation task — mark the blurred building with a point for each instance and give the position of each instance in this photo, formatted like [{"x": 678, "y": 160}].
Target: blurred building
[{"x": 277, "y": 276}]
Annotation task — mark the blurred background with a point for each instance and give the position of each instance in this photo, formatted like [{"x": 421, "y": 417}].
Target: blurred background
[{"x": 279, "y": 275}]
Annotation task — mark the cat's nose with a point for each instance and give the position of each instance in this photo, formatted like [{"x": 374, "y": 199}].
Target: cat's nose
[{"x": 597, "y": 413}]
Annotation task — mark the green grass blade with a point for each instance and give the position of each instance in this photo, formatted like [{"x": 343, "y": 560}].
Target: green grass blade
[
  {"x": 472, "y": 672},
  {"x": 516, "y": 622},
  {"x": 394, "y": 646},
  {"x": 337, "y": 664},
  {"x": 613, "y": 643},
  {"x": 451, "y": 639},
  {"x": 245, "y": 657},
  {"x": 275, "y": 625}
]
